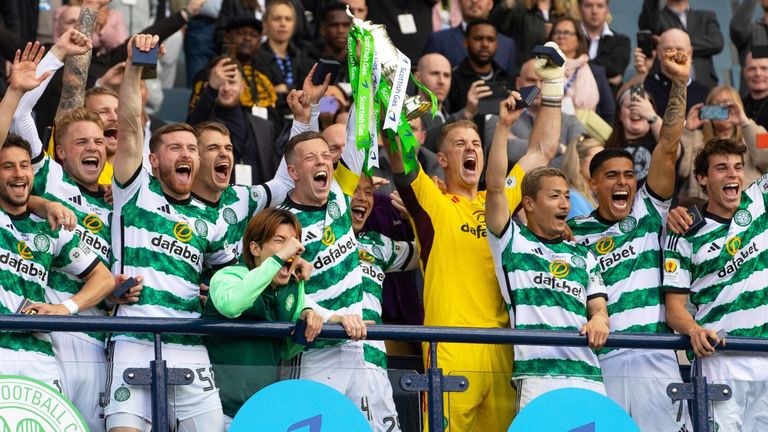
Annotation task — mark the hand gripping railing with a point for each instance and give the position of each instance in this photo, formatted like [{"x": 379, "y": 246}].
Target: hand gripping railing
[{"x": 434, "y": 381}]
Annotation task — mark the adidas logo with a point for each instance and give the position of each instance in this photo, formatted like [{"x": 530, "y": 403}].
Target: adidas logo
[
  {"x": 166, "y": 208},
  {"x": 538, "y": 251},
  {"x": 310, "y": 236},
  {"x": 77, "y": 199},
  {"x": 713, "y": 247}
]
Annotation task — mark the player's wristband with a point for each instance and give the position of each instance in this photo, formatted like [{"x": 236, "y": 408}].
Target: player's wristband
[{"x": 71, "y": 306}]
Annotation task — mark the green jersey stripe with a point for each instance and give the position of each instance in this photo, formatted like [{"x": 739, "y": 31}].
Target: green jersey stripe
[
  {"x": 374, "y": 356},
  {"x": 543, "y": 367}
]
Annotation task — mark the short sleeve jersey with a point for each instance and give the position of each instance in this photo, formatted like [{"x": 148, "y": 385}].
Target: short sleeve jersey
[
  {"x": 29, "y": 251},
  {"x": 629, "y": 259},
  {"x": 723, "y": 266},
  {"x": 93, "y": 217},
  {"x": 546, "y": 285},
  {"x": 331, "y": 248},
  {"x": 167, "y": 241},
  {"x": 378, "y": 255},
  {"x": 445, "y": 225}
]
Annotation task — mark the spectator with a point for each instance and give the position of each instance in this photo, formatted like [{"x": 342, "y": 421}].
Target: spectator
[
  {"x": 409, "y": 33},
  {"x": 451, "y": 42},
  {"x": 479, "y": 65},
  {"x": 336, "y": 137},
  {"x": 434, "y": 71},
  {"x": 242, "y": 35},
  {"x": 252, "y": 136},
  {"x": 9, "y": 36},
  {"x": 334, "y": 28},
  {"x": 359, "y": 8},
  {"x": 527, "y": 22},
  {"x": 607, "y": 47},
  {"x": 576, "y": 169},
  {"x": 520, "y": 132},
  {"x": 756, "y": 77},
  {"x": 199, "y": 43},
  {"x": 701, "y": 26},
  {"x": 742, "y": 35},
  {"x": 137, "y": 14},
  {"x": 636, "y": 129},
  {"x": 279, "y": 59},
  {"x": 656, "y": 82},
  {"x": 255, "y": 8},
  {"x": 737, "y": 127},
  {"x": 586, "y": 84}
]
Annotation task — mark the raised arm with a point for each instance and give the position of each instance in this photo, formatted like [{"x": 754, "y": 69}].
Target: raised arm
[
  {"x": 130, "y": 132},
  {"x": 545, "y": 136},
  {"x": 23, "y": 79},
  {"x": 496, "y": 205},
  {"x": 661, "y": 174},
  {"x": 76, "y": 67}
]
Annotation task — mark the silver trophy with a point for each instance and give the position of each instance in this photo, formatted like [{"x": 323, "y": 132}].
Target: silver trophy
[{"x": 388, "y": 55}]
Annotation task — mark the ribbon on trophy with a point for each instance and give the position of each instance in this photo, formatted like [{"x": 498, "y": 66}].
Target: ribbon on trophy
[{"x": 380, "y": 59}]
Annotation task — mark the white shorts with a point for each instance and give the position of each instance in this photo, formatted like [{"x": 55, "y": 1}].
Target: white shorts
[
  {"x": 31, "y": 364},
  {"x": 185, "y": 401},
  {"x": 83, "y": 367},
  {"x": 340, "y": 367},
  {"x": 747, "y": 409},
  {"x": 529, "y": 389},
  {"x": 637, "y": 380},
  {"x": 381, "y": 404}
]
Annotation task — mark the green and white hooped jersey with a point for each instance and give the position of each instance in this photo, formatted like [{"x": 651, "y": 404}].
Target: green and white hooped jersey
[
  {"x": 546, "y": 285},
  {"x": 235, "y": 208},
  {"x": 93, "y": 217},
  {"x": 168, "y": 242},
  {"x": 724, "y": 267},
  {"x": 331, "y": 247},
  {"x": 629, "y": 260},
  {"x": 378, "y": 255},
  {"x": 29, "y": 251}
]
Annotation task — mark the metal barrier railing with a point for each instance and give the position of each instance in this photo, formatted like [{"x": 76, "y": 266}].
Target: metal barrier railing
[{"x": 433, "y": 382}]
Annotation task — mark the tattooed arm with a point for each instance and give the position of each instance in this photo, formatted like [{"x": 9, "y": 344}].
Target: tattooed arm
[
  {"x": 76, "y": 67},
  {"x": 661, "y": 174}
]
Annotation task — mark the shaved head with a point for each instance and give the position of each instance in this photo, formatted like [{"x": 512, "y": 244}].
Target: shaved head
[
  {"x": 434, "y": 71},
  {"x": 336, "y": 136}
]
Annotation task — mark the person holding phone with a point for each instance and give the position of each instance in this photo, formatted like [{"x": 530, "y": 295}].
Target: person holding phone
[{"x": 701, "y": 127}]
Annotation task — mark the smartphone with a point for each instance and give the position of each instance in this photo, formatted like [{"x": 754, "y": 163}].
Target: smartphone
[
  {"x": 147, "y": 59},
  {"x": 645, "y": 42},
  {"x": 528, "y": 95},
  {"x": 713, "y": 112},
  {"x": 696, "y": 216},
  {"x": 124, "y": 286},
  {"x": 329, "y": 104},
  {"x": 638, "y": 90},
  {"x": 229, "y": 50},
  {"x": 542, "y": 51},
  {"x": 490, "y": 104},
  {"x": 24, "y": 303},
  {"x": 325, "y": 67}
]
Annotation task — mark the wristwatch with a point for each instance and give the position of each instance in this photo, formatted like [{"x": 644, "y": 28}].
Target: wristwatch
[{"x": 652, "y": 118}]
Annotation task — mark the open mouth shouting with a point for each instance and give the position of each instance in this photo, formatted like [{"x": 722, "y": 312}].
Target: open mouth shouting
[
  {"x": 183, "y": 172},
  {"x": 110, "y": 136},
  {"x": 561, "y": 217},
  {"x": 18, "y": 187},
  {"x": 222, "y": 172},
  {"x": 470, "y": 164},
  {"x": 320, "y": 179},
  {"x": 358, "y": 213},
  {"x": 731, "y": 190},
  {"x": 91, "y": 164},
  {"x": 620, "y": 200}
]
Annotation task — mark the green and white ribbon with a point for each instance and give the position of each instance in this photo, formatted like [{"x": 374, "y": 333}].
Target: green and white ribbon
[{"x": 396, "y": 98}]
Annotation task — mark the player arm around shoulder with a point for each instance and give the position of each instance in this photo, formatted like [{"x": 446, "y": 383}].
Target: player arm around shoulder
[
  {"x": 497, "y": 206},
  {"x": 661, "y": 174}
]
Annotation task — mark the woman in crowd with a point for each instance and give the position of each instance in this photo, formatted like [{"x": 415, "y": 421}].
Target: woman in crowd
[
  {"x": 636, "y": 128},
  {"x": 586, "y": 85},
  {"x": 737, "y": 127},
  {"x": 576, "y": 168},
  {"x": 280, "y": 60}
]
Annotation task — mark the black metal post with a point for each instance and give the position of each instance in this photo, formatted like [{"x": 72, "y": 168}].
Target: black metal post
[
  {"x": 435, "y": 393},
  {"x": 159, "y": 388}
]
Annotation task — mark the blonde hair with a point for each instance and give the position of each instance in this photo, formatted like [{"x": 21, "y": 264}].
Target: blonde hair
[
  {"x": 708, "y": 129},
  {"x": 574, "y": 153},
  {"x": 64, "y": 122}
]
